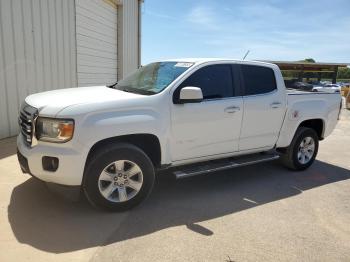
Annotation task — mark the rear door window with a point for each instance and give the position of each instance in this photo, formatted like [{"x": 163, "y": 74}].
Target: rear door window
[{"x": 258, "y": 80}]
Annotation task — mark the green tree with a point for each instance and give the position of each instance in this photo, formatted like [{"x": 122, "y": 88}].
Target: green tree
[
  {"x": 308, "y": 60},
  {"x": 344, "y": 73}
]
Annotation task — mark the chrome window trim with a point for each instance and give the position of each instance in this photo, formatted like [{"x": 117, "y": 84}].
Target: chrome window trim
[
  {"x": 263, "y": 94},
  {"x": 221, "y": 99}
]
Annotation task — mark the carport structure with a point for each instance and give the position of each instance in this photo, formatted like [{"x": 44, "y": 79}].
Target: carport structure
[{"x": 310, "y": 70}]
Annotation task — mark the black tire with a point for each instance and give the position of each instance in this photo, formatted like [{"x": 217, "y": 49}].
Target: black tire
[
  {"x": 290, "y": 157},
  {"x": 106, "y": 156}
]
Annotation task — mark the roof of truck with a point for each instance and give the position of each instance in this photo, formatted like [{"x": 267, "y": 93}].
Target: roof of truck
[
  {"x": 282, "y": 64},
  {"x": 204, "y": 60}
]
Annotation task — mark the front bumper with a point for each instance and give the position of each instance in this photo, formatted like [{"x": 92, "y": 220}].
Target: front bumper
[
  {"x": 71, "y": 161},
  {"x": 71, "y": 193},
  {"x": 23, "y": 162}
]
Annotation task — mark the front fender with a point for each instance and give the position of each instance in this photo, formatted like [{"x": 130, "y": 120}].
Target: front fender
[{"x": 96, "y": 126}]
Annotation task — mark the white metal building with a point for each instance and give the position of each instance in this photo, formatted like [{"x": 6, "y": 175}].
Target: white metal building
[{"x": 52, "y": 44}]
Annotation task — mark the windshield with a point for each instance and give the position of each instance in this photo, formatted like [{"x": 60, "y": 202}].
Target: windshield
[{"x": 153, "y": 78}]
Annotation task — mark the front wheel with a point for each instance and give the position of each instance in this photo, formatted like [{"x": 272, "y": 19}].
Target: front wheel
[
  {"x": 118, "y": 177},
  {"x": 302, "y": 151}
]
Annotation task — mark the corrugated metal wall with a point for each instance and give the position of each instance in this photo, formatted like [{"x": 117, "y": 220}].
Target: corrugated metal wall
[
  {"x": 130, "y": 37},
  {"x": 37, "y": 53},
  {"x": 96, "y": 25},
  {"x": 52, "y": 44}
]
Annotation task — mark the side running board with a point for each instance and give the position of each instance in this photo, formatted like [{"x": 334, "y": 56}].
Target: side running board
[{"x": 222, "y": 164}]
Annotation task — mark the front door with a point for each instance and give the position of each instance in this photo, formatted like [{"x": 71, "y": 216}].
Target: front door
[{"x": 211, "y": 127}]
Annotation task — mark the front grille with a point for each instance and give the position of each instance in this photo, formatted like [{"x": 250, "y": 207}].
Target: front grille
[{"x": 26, "y": 122}]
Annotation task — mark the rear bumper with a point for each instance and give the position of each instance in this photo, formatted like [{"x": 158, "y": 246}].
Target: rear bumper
[{"x": 71, "y": 162}]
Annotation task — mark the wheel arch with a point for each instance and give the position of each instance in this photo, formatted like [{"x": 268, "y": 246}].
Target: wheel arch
[
  {"x": 148, "y": 143},
  {"x": 317, "y": 124}
]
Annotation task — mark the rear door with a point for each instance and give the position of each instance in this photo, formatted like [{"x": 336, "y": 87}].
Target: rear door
[{"x": 264, "y": 107}]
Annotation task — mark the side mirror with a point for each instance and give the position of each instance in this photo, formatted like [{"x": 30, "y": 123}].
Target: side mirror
[{"x": 190, "y": 94}]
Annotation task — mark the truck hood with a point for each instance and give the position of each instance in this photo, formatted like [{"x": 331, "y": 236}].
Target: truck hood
[{"x": 52, "y": 102}]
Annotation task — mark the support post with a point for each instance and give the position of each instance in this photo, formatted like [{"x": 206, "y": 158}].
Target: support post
[
  {"x": 335, "y": 73},
  {"x": 301, "y": 74}
]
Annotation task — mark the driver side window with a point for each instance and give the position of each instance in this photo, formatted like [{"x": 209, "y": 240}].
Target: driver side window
[{"x": 214, "y": 80}]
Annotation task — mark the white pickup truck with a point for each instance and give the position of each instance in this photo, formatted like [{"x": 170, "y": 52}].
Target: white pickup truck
[{"x": 189, "y": 116}]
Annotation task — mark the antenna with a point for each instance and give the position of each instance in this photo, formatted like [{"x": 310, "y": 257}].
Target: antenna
[{"x": 246, "y": 54}]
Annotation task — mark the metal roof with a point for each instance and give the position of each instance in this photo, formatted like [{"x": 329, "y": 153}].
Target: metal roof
[
  {"x": 308, "y": 67},
  {"x": 297, "y": 63}
]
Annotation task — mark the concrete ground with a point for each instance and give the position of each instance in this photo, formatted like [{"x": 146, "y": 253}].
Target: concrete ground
[{"x": 255, "y": 213}]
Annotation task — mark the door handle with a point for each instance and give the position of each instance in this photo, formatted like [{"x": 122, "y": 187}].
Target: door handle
[
  {"x": 232, "y": 109},
  {"x": 276, "y": 105}
]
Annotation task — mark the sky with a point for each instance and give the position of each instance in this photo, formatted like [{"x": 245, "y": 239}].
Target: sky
[{"x": 271, "y": 29}]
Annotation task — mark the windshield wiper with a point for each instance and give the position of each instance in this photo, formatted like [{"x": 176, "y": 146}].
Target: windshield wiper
[
  {"x": 112, "y": 86},
  {"x": 126, "y": 90},
  {"x": 136, "y": 91},
  {"x": 146, "y": 92}
]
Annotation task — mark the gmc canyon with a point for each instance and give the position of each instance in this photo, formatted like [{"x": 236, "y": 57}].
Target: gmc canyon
[{"x": 189, "y": 116}]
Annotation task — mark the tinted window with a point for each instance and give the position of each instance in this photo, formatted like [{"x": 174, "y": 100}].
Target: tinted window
[
  {"x": 258, "y": 79},
  {"x": 214, "y": 80}
]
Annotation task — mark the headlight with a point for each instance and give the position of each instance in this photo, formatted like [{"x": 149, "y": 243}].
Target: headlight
[{"x": 54, "y": 130}]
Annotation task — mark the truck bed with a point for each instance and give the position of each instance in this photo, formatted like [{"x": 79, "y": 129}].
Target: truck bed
[
  {"x": 303, "y": 105},
  {"x": 291, "y": 91}
]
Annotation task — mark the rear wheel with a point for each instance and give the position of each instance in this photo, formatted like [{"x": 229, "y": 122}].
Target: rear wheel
[
  {"x": 302, "y": 151},
  {"x": 118, "y": 177}
]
